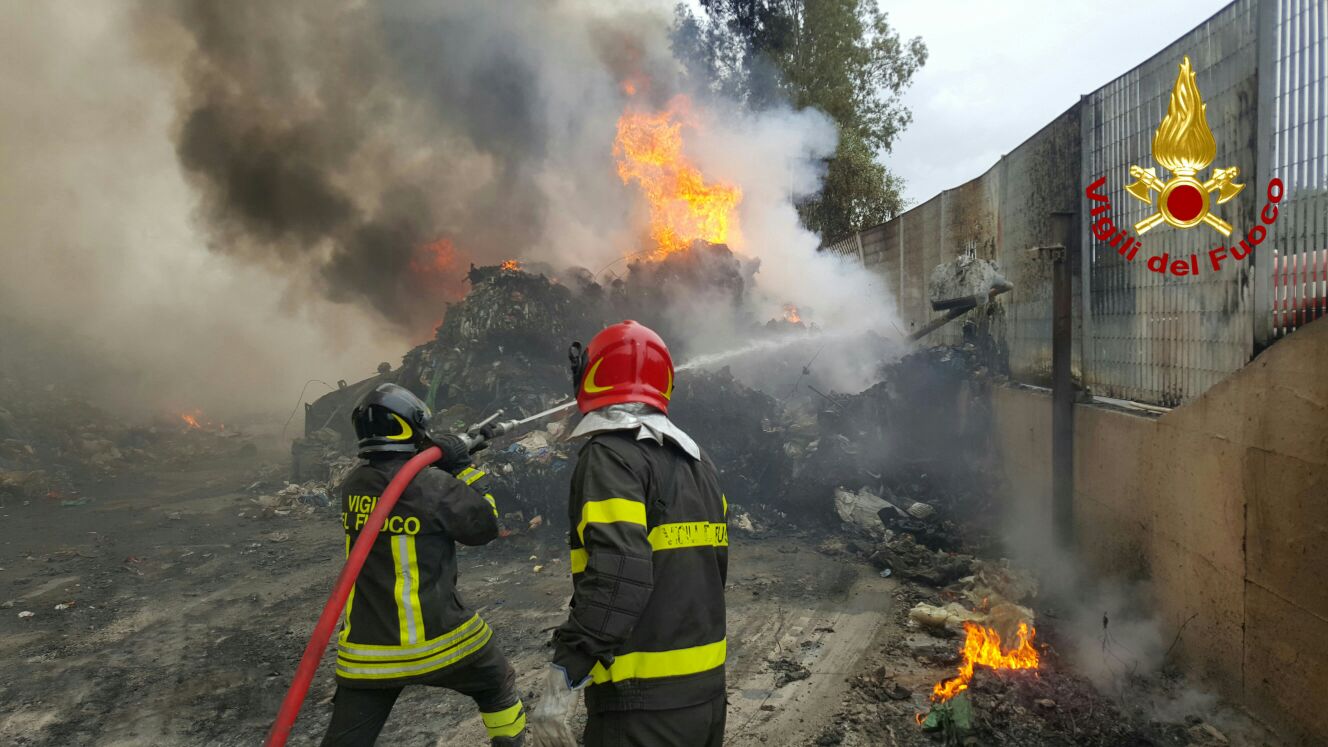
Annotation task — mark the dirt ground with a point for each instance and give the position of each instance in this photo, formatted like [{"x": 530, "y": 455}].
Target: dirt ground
[{"x": 188, "y": 610}]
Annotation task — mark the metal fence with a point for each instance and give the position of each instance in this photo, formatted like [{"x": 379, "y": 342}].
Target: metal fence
[
  {"x": 1293, "y": 288},
  {"x": 1142, "y": 335}
]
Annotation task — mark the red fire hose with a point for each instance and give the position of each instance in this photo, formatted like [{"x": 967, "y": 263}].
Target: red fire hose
[{"x": 327, "y": 622}]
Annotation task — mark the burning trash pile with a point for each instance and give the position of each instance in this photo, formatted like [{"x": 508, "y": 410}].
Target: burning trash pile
[{"x": 503, "y": 347}]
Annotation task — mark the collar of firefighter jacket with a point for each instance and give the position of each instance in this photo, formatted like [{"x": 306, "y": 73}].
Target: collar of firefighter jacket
[{"x": 646, "y": 420}]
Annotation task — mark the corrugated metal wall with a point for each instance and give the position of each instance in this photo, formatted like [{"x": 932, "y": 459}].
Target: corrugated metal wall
[
  {"x": 1141, "y": 335},
  {"x": 1294, "y": 145},
  {"x": 1157, "y": 337}
]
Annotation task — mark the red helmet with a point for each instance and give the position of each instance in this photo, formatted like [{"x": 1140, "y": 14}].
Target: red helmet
[{"x": 626, "y": 362}]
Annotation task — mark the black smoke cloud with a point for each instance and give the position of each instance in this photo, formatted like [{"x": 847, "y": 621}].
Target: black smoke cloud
[{"x": 337, "y": 139}]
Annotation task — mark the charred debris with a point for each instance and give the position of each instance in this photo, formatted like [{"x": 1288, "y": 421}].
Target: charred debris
[{"x": 781, "y": 455}]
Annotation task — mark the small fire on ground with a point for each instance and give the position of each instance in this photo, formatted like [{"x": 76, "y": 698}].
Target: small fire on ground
[
  {"x": 512, "y": 265},
  {"x": 791, "y": 314},
  {"x": 982, "y": 647},
  {"x": 193, "y": 419}
]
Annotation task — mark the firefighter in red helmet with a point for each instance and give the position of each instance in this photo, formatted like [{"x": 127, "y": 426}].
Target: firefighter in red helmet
[{"x": 649, "y": 541}]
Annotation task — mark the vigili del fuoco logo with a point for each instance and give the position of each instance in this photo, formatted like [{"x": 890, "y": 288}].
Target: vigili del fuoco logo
[{"x": 1183, "y": 145}]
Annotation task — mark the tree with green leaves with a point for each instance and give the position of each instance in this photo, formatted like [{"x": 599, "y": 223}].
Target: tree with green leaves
[{"x": 839, "y": 56}]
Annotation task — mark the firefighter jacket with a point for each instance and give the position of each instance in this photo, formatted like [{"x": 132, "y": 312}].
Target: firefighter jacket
[
  {"x": 404, "y": 620},
  {"x": 649, "y": 541}
]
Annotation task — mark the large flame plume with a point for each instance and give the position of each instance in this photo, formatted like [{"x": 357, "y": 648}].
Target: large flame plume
[
  {"x": 683, "y": 206},
  {"x": 1183, "y": 143},
  {"x": 982, "y": 647},
  {"x": 437, "y": 271}
]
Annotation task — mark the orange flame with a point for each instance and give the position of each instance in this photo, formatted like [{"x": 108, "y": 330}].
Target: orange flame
[
  {"x": 190, "y": 420},
  {"x": 683, "y": 207},
  {"x": 437, "y": 269},
  {"x": 982, "y": 647},
  {"x": 791, "y": 314},
  {"x": 511, "y": 264}
]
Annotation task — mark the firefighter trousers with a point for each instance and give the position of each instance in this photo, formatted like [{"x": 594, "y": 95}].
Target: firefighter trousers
[
  {"x": 358, "y": 713},
  {"x": 694, "y": 726}
]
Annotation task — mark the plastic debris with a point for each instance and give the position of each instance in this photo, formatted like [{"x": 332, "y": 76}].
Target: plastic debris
[
  {"x": 860, "y": 508},
  {"x": 951, "y": 616},
  {"x": 953, "y": 716}
]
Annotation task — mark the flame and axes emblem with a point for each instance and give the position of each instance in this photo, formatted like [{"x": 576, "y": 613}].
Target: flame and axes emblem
[{"x": 1184, "y": 145}]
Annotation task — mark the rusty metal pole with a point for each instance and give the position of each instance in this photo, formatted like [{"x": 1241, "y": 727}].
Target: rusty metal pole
[
  {"x": 1062, "y": 401},
  {"x": 1063, "y": 258}
]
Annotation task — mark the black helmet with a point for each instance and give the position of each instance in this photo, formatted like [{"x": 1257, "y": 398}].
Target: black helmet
[{"x": 390, "y": 419}]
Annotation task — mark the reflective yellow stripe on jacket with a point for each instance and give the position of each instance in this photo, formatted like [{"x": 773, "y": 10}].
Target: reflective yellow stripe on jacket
[
  {"x": 671, "y": 537},
  {"x": 407, "y": 563},
  {"x": 610, "y": 511},
  {"x": 508, "y": 722},
  {"x": 470, "y": 476},
  {"x": 652, "y": 664},
  {"x": 350, "y": 600},
  {"x": 367, "y": 661}
]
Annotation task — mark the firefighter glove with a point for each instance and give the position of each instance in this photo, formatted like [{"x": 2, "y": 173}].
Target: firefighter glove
[
  {"x": 550, "y": 720},
  {"x": 456, "y": 456}
]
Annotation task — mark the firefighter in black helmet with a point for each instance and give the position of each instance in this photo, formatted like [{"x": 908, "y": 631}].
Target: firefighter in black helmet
[{"x": 404, "y": 623}]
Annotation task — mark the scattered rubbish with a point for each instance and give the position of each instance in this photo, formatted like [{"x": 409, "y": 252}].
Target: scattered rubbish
[
  {"x": 910, "y": 560},
  {"x": 65, "y": 605},
  {"x": 538, "y": 568},
  {"x": 787, "y": 670},
  {"x": 860, "y": 508},
  {"x": 536, "y": 523},
  {"x": 276, "y": 536},
  {"x": 879, "y": 686},
  {"x": 536, "y": 442},
  {"x": 743, "y": 521},
  {"x": 306, "y": 497},
  {"x": 1207, "y": 734},
  {"x": 951, "y": 617},
  {"x": 71, "y": 502},
  {"x": 998, "y": 580},
  {"x": 916, "y": 509},
  {"x": 954, "y": 716},
  {"x": 26, "y": 614},
  {"x": 886, "y": 573}
]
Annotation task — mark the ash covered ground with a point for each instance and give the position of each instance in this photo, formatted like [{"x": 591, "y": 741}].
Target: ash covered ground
[{"x": 159, "y": 580}]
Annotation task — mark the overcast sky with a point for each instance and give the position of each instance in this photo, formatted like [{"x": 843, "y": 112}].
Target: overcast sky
[{"x": 999, "y": 70}]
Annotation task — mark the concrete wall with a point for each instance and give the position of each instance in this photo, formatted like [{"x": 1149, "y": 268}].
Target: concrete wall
[{"x": 1223, "y": 505}]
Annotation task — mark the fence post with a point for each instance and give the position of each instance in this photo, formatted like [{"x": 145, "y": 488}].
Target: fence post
[{"x": 1264, "y": 261}]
